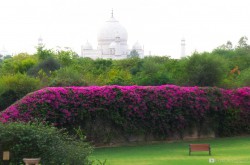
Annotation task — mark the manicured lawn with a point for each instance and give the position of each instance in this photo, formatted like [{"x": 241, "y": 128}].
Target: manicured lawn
[{"x": 227, "y": 151}]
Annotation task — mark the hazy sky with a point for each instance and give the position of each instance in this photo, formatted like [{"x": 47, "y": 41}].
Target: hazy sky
[{"x": 159, "y": 25}]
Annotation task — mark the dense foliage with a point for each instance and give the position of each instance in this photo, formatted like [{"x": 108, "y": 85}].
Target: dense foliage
[
  {"x": 12, "y": 88},
  {"x": 225, "y": 67},
  {"x": 38, "y": 140},
  {"x": 162, "y": 111}
]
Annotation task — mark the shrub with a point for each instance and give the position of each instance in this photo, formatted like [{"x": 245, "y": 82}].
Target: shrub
[
  {"x": 33, "y": 140},
  {"x": 161, "y": 111}
]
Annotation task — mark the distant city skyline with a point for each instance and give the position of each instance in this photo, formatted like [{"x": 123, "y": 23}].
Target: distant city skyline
[{"x": 159, "y": 25}]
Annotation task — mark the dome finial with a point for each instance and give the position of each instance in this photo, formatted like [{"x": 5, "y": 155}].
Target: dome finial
[{"x": 112, "y": 14}]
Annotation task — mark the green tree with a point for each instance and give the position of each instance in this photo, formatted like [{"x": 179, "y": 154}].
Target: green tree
[
  {"x": 133, "y": 65},
  {"x": 133, "y": 53},
  {"x": 227, "y": 46},
  {"x": 47, "y": 66},
  {"x": 66, "y": 57},
  {"x": 205, "y": 70},
  {"x": 7, "y": 56},
  {"x": 118, "y": 77},
  {"x": 242, "y": 57},
  {"x": 101, "y": 66},
  {"x": 20, "y": 63},
  {"x": 176, "y": 70},
  {"x": 14, "y": 87},
  {"x": 242, "y": 43},
  {"x": 244, "y": 78},
  {"x": 67, "y": 76},
  {"x": 43, "y": 53},
  {"x": 153, "y": 72}
]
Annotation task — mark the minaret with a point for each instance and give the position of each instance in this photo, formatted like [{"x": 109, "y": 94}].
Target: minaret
[
  {"x": 183, "y": 44},
  {"x": 112, "y": 13},
  {"x": 40, "y": 42}
]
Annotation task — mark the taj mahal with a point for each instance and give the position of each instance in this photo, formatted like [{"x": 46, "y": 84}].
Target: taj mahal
[{"x": 112, "y": 42}]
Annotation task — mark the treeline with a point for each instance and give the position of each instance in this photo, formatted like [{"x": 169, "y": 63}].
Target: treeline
[{"x": 227, "y": 66}]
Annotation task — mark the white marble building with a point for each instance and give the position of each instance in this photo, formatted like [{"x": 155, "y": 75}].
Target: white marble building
[{"x": 112, "y": 43}]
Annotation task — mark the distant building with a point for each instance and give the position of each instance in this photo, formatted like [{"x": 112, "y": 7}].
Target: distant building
[
  {"x": 112, "y": 43},
  {"x": 183, "y": 48},
  {"x": 40, "y": 42},
  {"x": 4, "y": 53}
]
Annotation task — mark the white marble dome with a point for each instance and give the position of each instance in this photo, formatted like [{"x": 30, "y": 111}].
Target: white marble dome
[
  {"x": 111, "y": 30},
  {"x": 112, "y": 42},
  {"x": 87, "y": 46}
]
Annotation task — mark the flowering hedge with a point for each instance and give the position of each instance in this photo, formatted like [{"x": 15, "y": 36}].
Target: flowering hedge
[{"x": 156, "y": 110}]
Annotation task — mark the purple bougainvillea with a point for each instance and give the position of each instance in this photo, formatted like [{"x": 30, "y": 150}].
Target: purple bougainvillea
[{"x": 152, "y": 108}]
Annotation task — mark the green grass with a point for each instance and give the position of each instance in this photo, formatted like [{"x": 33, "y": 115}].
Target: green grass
[{"x": 226, "y": 151}]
